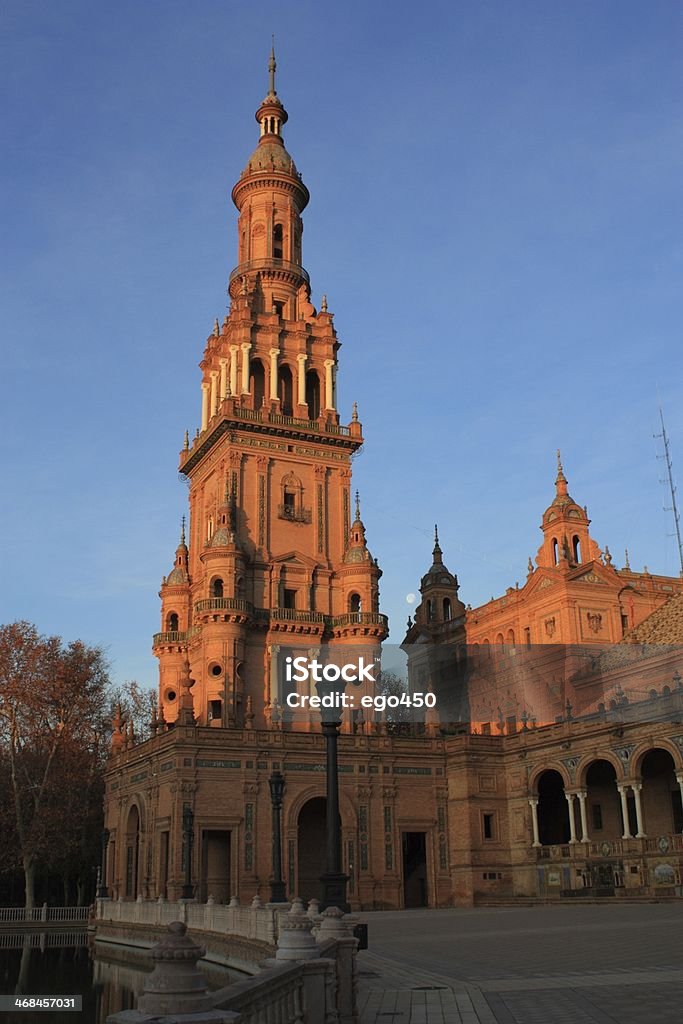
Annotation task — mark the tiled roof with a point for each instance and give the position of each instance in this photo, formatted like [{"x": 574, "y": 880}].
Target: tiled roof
[{"x": 663, "y": 626}]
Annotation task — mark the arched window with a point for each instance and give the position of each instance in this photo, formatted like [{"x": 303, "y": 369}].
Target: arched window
[
  {"x": 447, "y": 614},
  {"x": 576, "y": 548},
  {"x": 286, "y": 391},
  {"x": 555, "y": 551},
  {"x": 430, "y": 611},
  {"x": 355, "y": 603},
  {"x": 510, "y": 636},
  {"x": 313, "y": 394},
  {"x": 257, "y": 382},
  {"x": 172, "y": 622},
  {"x": 217, "y": 587},
  {"x": 499, "y": 638},
  {"x": 277, "y": 242},
  {"x": 239, "y": 586}
]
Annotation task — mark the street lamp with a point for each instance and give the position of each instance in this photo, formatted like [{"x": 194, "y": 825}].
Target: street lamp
[
  {"x": 103, "y": 892},
  {"x": 188, "y": 836},
  {"x": 334, "y": 880},
  {"x": 276, "y": 783}
]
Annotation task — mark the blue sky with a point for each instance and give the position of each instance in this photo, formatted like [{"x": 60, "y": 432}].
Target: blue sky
[{"x": 495, "y": 217}]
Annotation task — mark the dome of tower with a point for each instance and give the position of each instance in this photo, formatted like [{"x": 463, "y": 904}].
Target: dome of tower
[{"x": 270, "y": 155}]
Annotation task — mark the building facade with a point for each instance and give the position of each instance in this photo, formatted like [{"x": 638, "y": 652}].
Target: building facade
[{"x": 505, "y": 797}]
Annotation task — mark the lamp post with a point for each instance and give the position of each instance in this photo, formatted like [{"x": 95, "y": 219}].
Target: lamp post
[
  {"x": 188, "y": 836},
  {"x": 103, "y": 892},
  {"x": 276, "y": 783},
  {"x": 334, "y": 880}
]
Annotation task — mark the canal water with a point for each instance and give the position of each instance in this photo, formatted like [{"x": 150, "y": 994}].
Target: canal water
[{"x": 109, "y": 978}]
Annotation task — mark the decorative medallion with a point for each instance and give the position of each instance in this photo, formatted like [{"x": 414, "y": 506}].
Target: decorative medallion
[
  {"x": 550, "y": 626},
  {"x": 595, "y": 621}
]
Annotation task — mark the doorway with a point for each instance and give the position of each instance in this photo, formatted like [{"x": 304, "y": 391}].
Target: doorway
[
  {"x": 414, "y": 869},
  {"x": 215, "y": 876},
  {"x": 311, "y": 836}
]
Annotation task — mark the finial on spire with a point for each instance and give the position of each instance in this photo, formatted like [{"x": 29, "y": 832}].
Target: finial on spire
[
  {"x": 608, "y": 556},
  {"x": 323, "y": 304},
  {"x": 216, "y": 328},
  {"x": 530, "y": 566},
  {"x": 354, "y": 414},
  {"x": 437, "y": 548},
  {"x": 186, "y": 442},
  {"x": 182, "y": 530},
  {"x": 357, "y": 505},
  {"x": 272, "y": 67},
  {"x": 560, "y": 480},
  {"x": 627, "y": 564}
]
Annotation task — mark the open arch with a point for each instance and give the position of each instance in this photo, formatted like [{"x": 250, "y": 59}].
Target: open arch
[
  {"x": 576, "y": 549},
  {"x": 447, "y": 610},
  {"x": 553, "y": 810},
  {"x": 217, "y": 587},
  {"x": 311, "y": 836},
  {"x": 132, "y": 853},
  {"x": 661, "y": 794},
  {"x": 355, "y": 603},
  {"x": 605, "y": 818},
  {"x": 172, "y": 622},
  {"x": 286, "y": 390},
  {"x": 313, "y": 394},
  {"x": 257, "y": 382},
  {"x": 555, "y": 550},
  {"x": 278, "y": 241}
]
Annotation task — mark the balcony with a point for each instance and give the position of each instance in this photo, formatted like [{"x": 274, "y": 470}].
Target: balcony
[
  {"x": 294, "y": 515},
  {"x": 296, "y": 615},
  {"x": 225, "y": 604},
  {"x": 358, "y": 619},
  {"x": 174, "y": 636},
  {"x": 273, "y": 264}
]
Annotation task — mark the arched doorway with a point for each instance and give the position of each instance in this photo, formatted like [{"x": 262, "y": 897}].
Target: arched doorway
[
  {"x": 257, "y": 382},
  {"x": 553, "y": 810},
  {"x": 313, "y": 394},
  {"x": 311, "y": 839},
  {"x": 286, "y": 388},
  {"x": 661, "y": 797},
  {"x": 132, "y": 853},
  {"x": 605, "y": 820}
]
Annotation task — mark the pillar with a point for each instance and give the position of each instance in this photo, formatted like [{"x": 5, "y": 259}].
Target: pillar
[
  {"x": 583, "y": 795},
  {"x": 679, "y": 780},
  {"x": 224, "y": 378},
  {"x": 205, "y": 405},
  {"x": 533, "y": 804},
  {"x": 233, "y": 368},
  {"x": 214, "y": 392},
  {"x": 329, "y": 390},
  {"x": 624, "y": 812},
  {"x": 274, "y": 353},
  {"x": 301, "y": 378},
  {"x": 572, "y": 823},
  {"x": 246, "y": 349},
  {"x": 637, "y": 787}
]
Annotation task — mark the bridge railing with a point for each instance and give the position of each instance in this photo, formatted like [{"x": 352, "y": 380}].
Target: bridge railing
[
  {"x": 250, "y": 922},
  {"x": 44, "y": 914}
]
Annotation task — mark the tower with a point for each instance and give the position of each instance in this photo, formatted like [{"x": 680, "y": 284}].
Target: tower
[
  {"x": 273, "y": 560},
  {"x": 566, "y": 540}
]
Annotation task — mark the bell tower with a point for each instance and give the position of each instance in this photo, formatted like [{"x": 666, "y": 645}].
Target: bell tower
[
  {"x": 273, "y": 559},
  {"x": 566, "y": 540}
]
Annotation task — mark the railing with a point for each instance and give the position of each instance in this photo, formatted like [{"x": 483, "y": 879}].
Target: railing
[
  {"x": 276, "y": 418},
  {"x": 35, "y": 915},
  {"x": 268, "y": 264},
  {"x": 38, "y": 939},
  {"x": 294, "y": 515},
  {"x": 359, "y": 619},
  {"x": 172, "y": 636},
  {"x": 296, "y": 615},
  {"x": 216, "y": 604},
  {"x": 257, "y": 923},
  {"x": 277, "y": 995}
]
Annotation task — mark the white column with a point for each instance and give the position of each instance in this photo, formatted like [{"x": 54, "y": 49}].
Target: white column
[
  {"x": 246, "y": 349},
  {"x": 224, "y": 378},
  {"x": 329, "y": 390},
  {"x": 583, "y": 795},
  {"x": 533, "y": 804},
  {"x": 214, "y": 392},
  {"x": 301, "y": 377},
  {"x": 679, "y": 780},
  {"x": 205, "y": 405},
  {"x": 624, "y": 811},
  {"x": 233, "y": 369},
  {"x": 636, "y": 787},
  {"x": 274, "y": 353},
  {"x": 572, "y": 823}
]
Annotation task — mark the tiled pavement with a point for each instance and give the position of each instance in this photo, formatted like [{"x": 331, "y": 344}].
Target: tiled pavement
[{"x": 588, "y": 965}]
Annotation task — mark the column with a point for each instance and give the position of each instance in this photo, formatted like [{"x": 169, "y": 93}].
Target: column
[
  {"x": 274, "y": 353},
  {"x": 233, "y": 368},
  {"x": 679, "y": 780},
  {"x": 624, "y": 812},
  {"x": 205, "y": 405},
  {"x": 583, "y": 795},
  {"x": 329, "y": 391},
  {"x": 533, "y": 804},
  {"x": 572, "y": 824},
  {"x": 224, "y": 378},
  {"x": 637, "y": 787},
  {"x": 246, "y": 348},
  {"x": 301, "y": 378},
  {"x": 214, "y": 392}
]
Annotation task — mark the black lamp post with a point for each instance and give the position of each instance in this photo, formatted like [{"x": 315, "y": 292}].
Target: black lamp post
[
  {"x": 334, "y": 880},
  {"x": 277, "y": 885},
  {"x": 188, "y": 836},
  {"x": 103, "y": 892}
]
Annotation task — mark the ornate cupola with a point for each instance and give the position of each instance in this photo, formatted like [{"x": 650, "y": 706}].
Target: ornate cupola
[
  {"x": 439, "y": 588},
  {"x": 567, "y": 542},
  {"x": 179, "y": 574}
]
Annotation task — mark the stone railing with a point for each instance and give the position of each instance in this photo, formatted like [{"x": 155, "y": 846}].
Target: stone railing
[
  {"x": 44, "y": 915},
  {"x": 311, "y": 980},
  {"x": 251, "y": 922}
]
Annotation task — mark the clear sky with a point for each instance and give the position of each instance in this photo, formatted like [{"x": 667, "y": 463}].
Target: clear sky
[{"x": 495, "y": 218}]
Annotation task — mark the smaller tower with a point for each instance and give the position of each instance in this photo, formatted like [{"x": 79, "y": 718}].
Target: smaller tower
[
  {"x": 440, "y": 604},
  {"x": 567, "y": 542},
  {"x": 170, "y": 645}
]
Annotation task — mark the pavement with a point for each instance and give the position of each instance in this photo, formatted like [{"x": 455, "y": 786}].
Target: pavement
[{"x": 587, "y": 964}]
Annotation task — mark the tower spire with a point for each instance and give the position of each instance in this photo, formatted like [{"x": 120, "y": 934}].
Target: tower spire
[
  {"x": 272, "y": 67},
  {"x": 182, "y": 532},
  {"x": 437, "y": 552},
  {"x": 560, "y": 479}
]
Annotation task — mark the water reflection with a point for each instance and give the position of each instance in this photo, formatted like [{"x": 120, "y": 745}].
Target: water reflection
[{"x": 64, "y": 963}]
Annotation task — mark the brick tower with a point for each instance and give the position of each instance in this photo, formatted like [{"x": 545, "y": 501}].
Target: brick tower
[{"x": 273, "y": 559}]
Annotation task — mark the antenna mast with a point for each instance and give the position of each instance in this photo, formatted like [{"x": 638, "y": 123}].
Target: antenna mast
[{"x": 673, "y": 507}]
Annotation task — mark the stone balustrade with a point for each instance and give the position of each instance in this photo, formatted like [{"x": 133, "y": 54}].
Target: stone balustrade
[{"x": 255, "y": 921}]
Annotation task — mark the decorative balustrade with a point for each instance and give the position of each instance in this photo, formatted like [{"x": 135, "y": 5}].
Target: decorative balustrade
[
  {"x": 171, "y": 636},
  {"x": 44, "y": 914},
  {"x": 257, "y": 923},
  {"x": 276, "y": 995},
  {"x": 358, "y": 619},
  {"x": 294, "y": 515},
  {"x": 217, "y": 604},
  {"x": 269, "y": 263},
  {"x": 297, "y": 615}
]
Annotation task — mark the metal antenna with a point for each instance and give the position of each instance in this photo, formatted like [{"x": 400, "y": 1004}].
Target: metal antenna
[{"x": 673, "y": 507}]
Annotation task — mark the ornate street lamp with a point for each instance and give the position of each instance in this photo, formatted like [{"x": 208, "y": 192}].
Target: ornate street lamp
[
  {"x": 188, "y": 837},
  {"x": 334, "y": 880},
  {"x": 103, "y": 892},
  {"x": 277, "y": 885}
]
